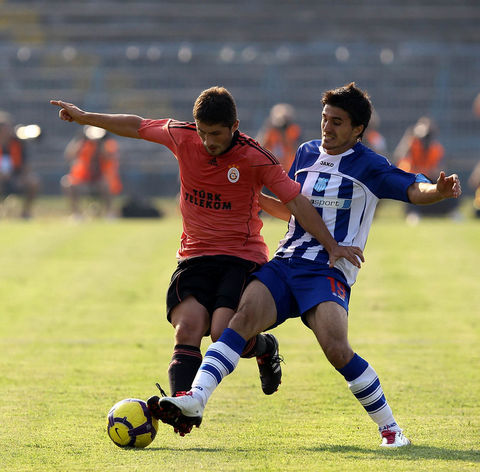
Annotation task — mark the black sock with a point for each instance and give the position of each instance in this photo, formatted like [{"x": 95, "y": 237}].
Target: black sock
[
  {"x": 258, "y": 346},
  {"x": 183, "y": 367}
]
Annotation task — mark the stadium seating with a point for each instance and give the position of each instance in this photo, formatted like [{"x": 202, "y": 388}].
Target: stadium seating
[{"x": 152, "y": 58}]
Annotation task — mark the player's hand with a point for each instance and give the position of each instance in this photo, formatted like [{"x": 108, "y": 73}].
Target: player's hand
[
  {"x": 68, "y": 111},
  {"x": 353, "y": 254},
  {"x": 449, "y": 187}
]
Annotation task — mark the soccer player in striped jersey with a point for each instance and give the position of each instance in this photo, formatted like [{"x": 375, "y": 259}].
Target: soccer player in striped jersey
[
  {"x": 222, "y": 172},
  {"x": 344, "y": 180}
]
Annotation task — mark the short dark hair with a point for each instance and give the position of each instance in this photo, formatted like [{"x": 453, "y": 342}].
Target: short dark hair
[
  {"x": 215, "y": 106},
  {"x": 355, "y": 101}
]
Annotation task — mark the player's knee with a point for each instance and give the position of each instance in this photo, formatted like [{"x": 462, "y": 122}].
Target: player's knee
[
  {"x": 338, "y": 353},
  {"x": 190, "y": 332}
]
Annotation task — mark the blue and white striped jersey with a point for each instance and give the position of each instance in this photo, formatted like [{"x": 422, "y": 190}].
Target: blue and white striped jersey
[{"x": 345, "y": 190}]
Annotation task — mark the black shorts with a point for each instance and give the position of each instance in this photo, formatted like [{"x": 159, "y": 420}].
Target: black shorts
[{"x": 214, "y": 281}]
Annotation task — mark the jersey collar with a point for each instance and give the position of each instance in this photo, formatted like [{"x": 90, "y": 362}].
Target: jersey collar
[{"x": 235, "y": 136}]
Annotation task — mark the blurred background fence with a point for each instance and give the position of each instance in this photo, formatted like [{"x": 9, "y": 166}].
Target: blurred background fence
[{"x": 152, "y": 58}]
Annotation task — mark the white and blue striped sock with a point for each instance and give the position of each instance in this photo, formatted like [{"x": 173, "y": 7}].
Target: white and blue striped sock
[
  {"x": 363, "y": 382},
  {"x": 220, "y": 360}
]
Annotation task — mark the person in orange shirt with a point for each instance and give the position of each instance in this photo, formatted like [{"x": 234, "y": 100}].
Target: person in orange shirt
[
  {"x": 94, "y": 168},
  {"x": 280, "y": 134},
  {"x": 474, "y": 183},
  {"x": 474, "y": 179},
  {"x": 15, "y": 174},
  {"x": 419, "y": 152}
]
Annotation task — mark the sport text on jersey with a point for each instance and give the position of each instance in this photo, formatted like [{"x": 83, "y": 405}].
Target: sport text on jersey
[
  {"x": 337, "y": 203},
  {"x": 207, "y": 200}
]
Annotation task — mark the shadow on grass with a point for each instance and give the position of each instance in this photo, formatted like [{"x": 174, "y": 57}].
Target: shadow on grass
[
  {"x": 412, "y": 452},
  {"x": 405, "y": 453},
  {"x": 180, "y": 449}
]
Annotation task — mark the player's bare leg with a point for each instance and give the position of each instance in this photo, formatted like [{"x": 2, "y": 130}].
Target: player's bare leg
[
  {"x": 256, "y": 313},
  {"x": 329, "y": 322}
]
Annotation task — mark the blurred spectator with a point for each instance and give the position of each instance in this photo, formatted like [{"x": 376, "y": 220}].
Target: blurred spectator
[
  {"x": 420, "y": 152},
  {"x": 474, "y": 179},
  {"x": 15, "y": 174},
  {"x": 476, "y": 106},
  {"x": 94, "y": 169},
  {"x": 280, "y": 134},
  {"x": 373, "y": 138},
  {"x": 474, "y": 182}
]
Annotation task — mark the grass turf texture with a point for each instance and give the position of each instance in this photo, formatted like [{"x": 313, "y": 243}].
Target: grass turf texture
[{"x": 83, "y": 326}]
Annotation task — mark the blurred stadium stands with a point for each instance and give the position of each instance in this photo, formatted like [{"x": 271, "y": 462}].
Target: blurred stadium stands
[{"x": 153, "y": 58}]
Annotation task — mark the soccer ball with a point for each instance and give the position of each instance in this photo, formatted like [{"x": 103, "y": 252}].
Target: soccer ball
[{"x": 130, "y": 424}]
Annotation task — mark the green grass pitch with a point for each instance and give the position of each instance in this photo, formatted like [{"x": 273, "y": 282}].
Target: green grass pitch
[{"x": 82, "y": 309}]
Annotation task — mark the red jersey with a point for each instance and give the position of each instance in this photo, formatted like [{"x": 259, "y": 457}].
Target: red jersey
[{"x": 219, "y": 194}]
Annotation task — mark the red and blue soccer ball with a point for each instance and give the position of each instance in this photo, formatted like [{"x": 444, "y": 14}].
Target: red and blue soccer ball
[{"x": 130, "y": 424}]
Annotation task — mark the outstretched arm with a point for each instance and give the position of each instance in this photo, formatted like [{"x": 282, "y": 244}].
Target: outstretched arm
[
  {"x": 422, "y": 193},
  {"x": 311, "y": 221},
  {"x": 123, "y": 125}
]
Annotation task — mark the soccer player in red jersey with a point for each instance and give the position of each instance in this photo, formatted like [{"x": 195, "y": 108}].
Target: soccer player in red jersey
[{"x": 222, "y": 172}]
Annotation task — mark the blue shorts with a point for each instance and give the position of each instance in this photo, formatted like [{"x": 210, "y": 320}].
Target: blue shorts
[{"x": 298, "y": 285}]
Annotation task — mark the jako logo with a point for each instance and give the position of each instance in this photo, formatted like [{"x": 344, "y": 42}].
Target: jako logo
[{"x": 325, "y": 163}]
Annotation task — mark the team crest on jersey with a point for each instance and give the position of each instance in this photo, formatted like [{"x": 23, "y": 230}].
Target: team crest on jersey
[
  {"x": 320, "y": 184},
  {"x": 233, "y": 174}
]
